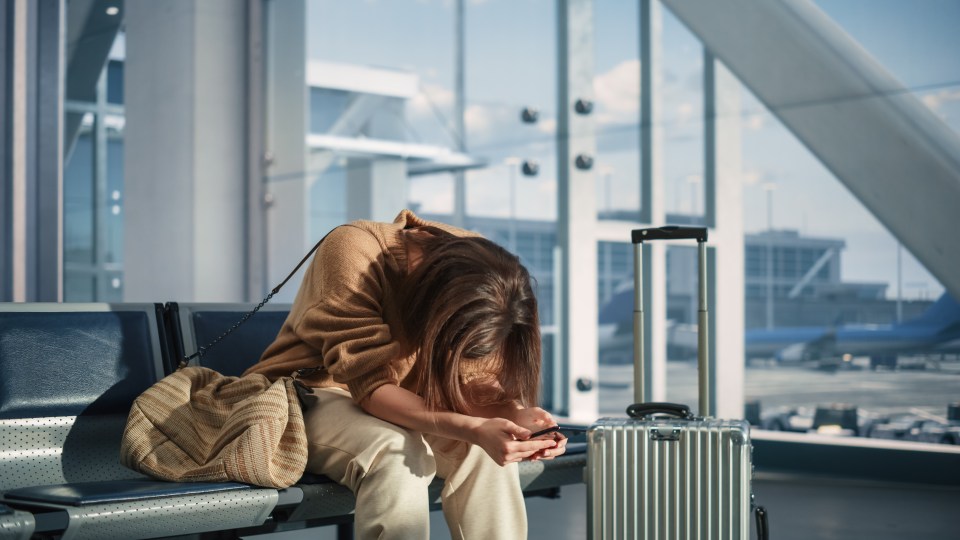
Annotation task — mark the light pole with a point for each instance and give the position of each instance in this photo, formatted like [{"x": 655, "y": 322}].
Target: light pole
[
  {"x": 606, "y": 172},
  {"x": 899, "y": 281},
  {"x": 769, "y": 187},
  {"x": 694, "y": 180}
]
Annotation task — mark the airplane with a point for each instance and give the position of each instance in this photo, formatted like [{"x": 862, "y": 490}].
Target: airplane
[{"x": 935, "y": 331}]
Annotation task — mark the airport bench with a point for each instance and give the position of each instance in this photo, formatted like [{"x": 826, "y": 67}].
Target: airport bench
[
  {"x": 68, "y": 374},
  {"x": 15, "y": 525},
  {"x": 197, "y": 324}
]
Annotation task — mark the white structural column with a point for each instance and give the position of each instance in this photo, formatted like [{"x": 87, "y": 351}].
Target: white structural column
[
  {"x": 891, "y": 152},
  {"x": 724, "y": 211},
  {"x": 256, "y": 225},
  {"x": 577, "y": 212},
  {"x": 286, "y": 187},
  {"x": 377, "y": 187},
  {"x": 652, "y": 205},
  {"x": 185, "y": 151}
]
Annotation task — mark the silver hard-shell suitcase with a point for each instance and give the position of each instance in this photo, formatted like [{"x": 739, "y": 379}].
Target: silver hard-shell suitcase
[{"x": 676, "y": 475}]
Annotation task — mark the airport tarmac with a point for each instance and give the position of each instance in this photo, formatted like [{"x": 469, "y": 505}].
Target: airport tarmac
[
  {"x": 877, "y": 513},
  {"x": 926, "y": 392}
]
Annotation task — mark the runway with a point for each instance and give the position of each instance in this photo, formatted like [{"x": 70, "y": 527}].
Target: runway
[{"x": 882, "y": 392}]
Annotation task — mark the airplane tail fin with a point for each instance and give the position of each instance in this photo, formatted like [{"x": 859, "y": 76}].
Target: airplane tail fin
[{"x": 945, "y": 312}]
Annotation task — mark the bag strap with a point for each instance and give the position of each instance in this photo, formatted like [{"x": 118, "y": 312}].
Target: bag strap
[
  {"x": 763, "y": 530},
  {"x": 203, "y": 350}
]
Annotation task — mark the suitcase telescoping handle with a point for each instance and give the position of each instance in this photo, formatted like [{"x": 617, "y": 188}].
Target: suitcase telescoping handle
[
  {"x": 669, "y": 232},
  {"x": 639, "y": 236}
]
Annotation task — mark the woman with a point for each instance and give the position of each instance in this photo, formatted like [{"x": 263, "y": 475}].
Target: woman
[{"x": 424, "y": 341}]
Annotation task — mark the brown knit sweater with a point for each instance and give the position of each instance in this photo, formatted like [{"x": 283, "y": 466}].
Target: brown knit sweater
[{"x": 345, "y": 318}]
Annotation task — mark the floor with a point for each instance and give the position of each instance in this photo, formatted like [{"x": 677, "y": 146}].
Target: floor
[{"x": 799, "y": 509}]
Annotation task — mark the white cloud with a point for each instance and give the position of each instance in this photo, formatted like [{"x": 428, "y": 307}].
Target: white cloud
[
  {"x": 756, "y": 122},
  {"x": 488, "y": 123},
  {"x": 547, "y": 125},
  {"x": 617, "y": 92},
  {"x": 438, "y": 96},
  {"x": 939, "y": 99},
  {"x": 547, "y": 186},
  {"x": 752, "y": 177}
]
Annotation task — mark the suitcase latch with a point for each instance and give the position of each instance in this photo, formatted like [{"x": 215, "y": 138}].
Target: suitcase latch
[{"x": 657, "y": 435}]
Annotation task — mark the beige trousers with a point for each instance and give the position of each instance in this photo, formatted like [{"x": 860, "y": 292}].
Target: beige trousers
[{"x": 388, "y": 468}]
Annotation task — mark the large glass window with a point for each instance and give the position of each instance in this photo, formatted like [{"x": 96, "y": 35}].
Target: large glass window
[
  {"x": 509, "y": 66},
  {"x": 375, "y": 37},
  {"x": 682, "y": 122},
  {"x": 832, "y": 300},
  {"x": 93, "y": 178},
  {"x": 616, "y": 85},
  {"x": 915, "y": 42}
]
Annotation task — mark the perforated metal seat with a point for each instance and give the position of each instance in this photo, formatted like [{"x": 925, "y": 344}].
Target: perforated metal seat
[
  {"x": 15, "y": 525},
  {"x": 68, "y": 374}
]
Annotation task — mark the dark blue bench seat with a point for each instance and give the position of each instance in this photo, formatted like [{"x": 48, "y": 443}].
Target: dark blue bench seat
[{"x": 68, "y": 374}]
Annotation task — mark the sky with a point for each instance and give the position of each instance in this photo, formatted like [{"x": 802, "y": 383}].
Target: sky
[{"x": 511, "y": 64}]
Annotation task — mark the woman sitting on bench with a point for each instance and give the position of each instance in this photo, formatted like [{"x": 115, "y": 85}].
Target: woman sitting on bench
[{"x": 421, "y": 342}]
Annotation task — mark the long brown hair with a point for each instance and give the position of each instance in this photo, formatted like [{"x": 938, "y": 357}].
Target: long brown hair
[{"x": 470, "y": 300}]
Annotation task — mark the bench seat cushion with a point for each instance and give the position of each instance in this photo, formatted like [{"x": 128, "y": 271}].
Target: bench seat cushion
[{"x": 89, "y": 493}]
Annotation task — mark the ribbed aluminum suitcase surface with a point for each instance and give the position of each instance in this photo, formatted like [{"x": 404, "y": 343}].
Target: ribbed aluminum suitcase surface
[{"x": 668, "y": 479}]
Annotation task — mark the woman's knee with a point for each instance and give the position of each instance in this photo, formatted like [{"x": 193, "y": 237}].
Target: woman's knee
[{"x": 392, "y": 456}]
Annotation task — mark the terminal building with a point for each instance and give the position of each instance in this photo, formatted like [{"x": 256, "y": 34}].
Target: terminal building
[{"x": 164, "y": 165}]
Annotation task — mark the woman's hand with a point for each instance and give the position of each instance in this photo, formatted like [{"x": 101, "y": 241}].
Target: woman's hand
[
  {"x": 506, "y": 442},
  {"x": 532, "y": 418},
  {"x": 556, "y": 438},
  {"x": 535, "y": 419}
]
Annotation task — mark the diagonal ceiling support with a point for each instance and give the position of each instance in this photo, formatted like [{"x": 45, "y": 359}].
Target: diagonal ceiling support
[{"x": 887, "y": 148}]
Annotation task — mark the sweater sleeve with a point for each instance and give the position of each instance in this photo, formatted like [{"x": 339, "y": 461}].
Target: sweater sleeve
[{"x": 346, "y": 324}]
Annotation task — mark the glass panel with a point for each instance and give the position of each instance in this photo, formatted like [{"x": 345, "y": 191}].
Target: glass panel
[
  {"x": 617, "y": 110},
  {"x": 112, "y": 289},
  {"x": 683, "y": 126},
  {"x": 326, "y": 106},
  {"x": 115, "y": 82},
  {"x": 79, "y": 287},
  {"x": 328, "y": 194},
  {"x": 375, "y": 38},
  {"x": 833, "y": 306},
  {"x": 113, "y": 206},
  {"x": 78, "y": 201},
  {"x": 682, "y": 308},
  {"x": 917, "y": 43},
  {"x": 511, "y": 59},
  {"x": 376, "y": 35},
  {"x": 432, "y": 194},
  {"x": 93, "y": 171},
  {"x": 615, "y": 332}
]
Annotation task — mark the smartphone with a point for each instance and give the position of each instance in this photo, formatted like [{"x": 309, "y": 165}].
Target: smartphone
[{"x": 566, "y": 431}]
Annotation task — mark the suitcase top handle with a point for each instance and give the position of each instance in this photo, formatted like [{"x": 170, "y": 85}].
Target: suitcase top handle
[
  {"x": 669, "y": 232},
  {"x": 642, "y": 410}
]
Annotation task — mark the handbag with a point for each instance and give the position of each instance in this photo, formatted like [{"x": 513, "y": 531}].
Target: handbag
[{"x": 197, "y": 425}]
